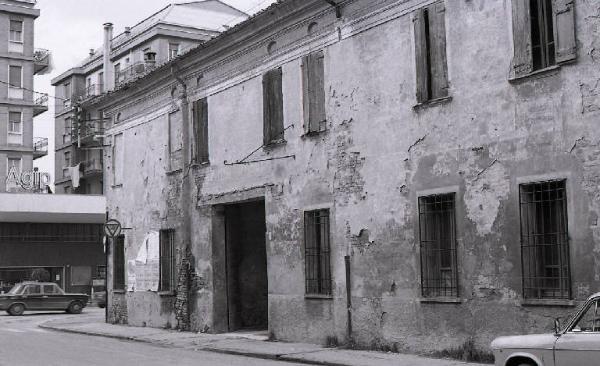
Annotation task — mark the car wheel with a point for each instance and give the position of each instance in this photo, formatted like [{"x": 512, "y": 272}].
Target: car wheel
[
  {"x": 16, "y": 309},
  {"x": 75, "y": 308}
]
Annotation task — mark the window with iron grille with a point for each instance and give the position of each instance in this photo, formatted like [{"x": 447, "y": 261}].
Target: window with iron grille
[
  {"x": 317, "y": 252},
  {"x": 167, "y": 260},
  {"x": 438, "y": 246},
  {"x": 119, "y": 263},
  {"x": 544, "y": 240}
]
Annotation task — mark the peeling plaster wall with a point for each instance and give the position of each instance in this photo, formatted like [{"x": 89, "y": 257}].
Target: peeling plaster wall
[{"x": 377, "y": 156}]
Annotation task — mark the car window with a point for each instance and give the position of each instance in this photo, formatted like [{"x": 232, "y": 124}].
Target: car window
[
  {"x": 33, "y": 290},
  {"x": 50, "y": 289},
  {"x": 590, "y": 320},
  {"x": 16, "y": 290}
]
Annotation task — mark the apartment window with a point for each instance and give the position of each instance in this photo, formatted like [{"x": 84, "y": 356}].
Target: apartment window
[
  {"x": 67, "y": 158},
  {"x": 313, "y": 85},
  {"x": 543, "y": 34},
  {"x": 15, "y": 76},
  {"x": 101, "y": 272},
  {"x": 173, "y": 50},
  {"x": 13, "y": 163},
  {"x": 175, "y": 141},
  {"x": 167, "y": 260},
  {"x": 15, "y": 128},
  {"x": 119, "y": 263},
  {"x": 317, "y": 252},
  {"x": 117, "y": 71},
  {"x": 68, "y": 131},
  {"x": 67, "y": 90},
  {"x": 200, "y": 109},
  {"x": 16, "y": 31},
  {"x": 101, "y": 82},
  {"x": 544, "y": 240},
  {"x": 430, "y": 52},
  {"x": 437, "y": 239},
  {"x": 118, "y": 159},
  {"x": 273, "y": 107}
]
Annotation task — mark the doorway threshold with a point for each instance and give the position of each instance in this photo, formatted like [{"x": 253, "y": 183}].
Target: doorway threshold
[{"x": 252, "y": 334}]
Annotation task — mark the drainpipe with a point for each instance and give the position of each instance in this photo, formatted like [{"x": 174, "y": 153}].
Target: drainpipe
[
  {"x": 186, "y": 196},
  {"x": 348, "y": 299},
  {"x": 108, "y": 69}
]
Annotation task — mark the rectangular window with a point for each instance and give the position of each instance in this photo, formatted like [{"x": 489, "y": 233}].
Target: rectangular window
[
  {"x": 16, "y": 31},
  {"x": 101, "y": 82},
  {"x": 118, "y": 159},
  {"x": 68, "y": 131},
  {"x": 67, "y": 158},
  {"x": 15, "y": 76},
  {"x": 430, "y": 52},
  {"x": 543, "y": 34},
  {"x": 173, "y": 50},
  {"x": 101, "y": 272},
  {"x": 119, "y": 263},
  {"x": 273, "y": 107},
  {"x": 201, "y": 130},
  {"x": 545, "y": 240},
  {"x": 437, "y": 239},
  {"x": 67, "y": 90},
  {"x": 167, "y": 260},
  {"x": 317, "y": 252},
  {"x": 14, "y": 122},
  {"x": 313, "y": 85},
  {"x": 175, "y": 141}
]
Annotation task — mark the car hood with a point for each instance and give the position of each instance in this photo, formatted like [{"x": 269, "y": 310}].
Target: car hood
[{"x": 539, "y": 341}]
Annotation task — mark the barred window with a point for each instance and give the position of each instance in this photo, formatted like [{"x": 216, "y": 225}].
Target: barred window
[
  {"x": 544, "y": 240},
  {"x": 317, "y": 249},
  {"x": 119, "y": 263},
  {"x": 167, "y": 260},
  {"x": 438, "y": 246}
]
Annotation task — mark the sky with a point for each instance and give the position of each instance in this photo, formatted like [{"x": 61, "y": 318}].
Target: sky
[{"x": 69, "y": 28}]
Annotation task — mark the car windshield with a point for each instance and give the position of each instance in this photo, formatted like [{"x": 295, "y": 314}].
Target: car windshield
[
  {"x": 16, "y": 290},
  {"x": 571, "y": 317}
]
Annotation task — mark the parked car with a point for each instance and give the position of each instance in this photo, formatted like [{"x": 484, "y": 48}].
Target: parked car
[
  {"x": 575, "y": 343},
  {"x": 41, "y": 296},
  {"x": 99, "y": 297}
]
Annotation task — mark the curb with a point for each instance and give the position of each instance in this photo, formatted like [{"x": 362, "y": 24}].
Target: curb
[{"x": 261, "y": 356}]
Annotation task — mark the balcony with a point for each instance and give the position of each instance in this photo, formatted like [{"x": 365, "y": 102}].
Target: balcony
[
  {"x": 40, "y": 147},
  {"x": 93, "y": 90},
  {"x": 41, "y": 61},
  {"x": 133, "y": 72},
  {"x": 88, "y": 133},
  {"x": 40, "y": 105},
  {"x": 91, "y": 167}
]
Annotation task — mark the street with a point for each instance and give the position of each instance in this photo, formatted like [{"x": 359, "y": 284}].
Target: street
[{"x": 23, "y": 343}]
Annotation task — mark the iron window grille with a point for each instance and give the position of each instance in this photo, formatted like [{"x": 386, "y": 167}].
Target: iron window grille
[
  {"x": 317, "y": 252},
  {"x": 167, "y": 260},
  {"x": 544, "y": 240},
  {"x": 437, "y": 233},
  {"x": 119, "y": 263},
  {"x": 542, "y": 34}
]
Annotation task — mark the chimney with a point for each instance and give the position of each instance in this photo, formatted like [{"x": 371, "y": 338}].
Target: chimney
[
  {"x": 92, "y": 52},
  {"x": 127, "y": 31},
  {"x": 108, "y": 69}
]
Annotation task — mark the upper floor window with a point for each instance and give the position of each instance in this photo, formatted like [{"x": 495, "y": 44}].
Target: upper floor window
[
  {"x": 67, "y": 90},
  {"x": 313, "y": 85},
  {"x": 545, "y": 240},
  {"x": 16, "y": 31},
  {"x": 273, "y": 131},
  {"x": 67, "y": 158},
  {"x": 68, "y": 130},
  {"x": 101, "y": 82},
  {"x": 543, "y": 34},
  {"x": 15, "y": 81},
  {"x": 15, "y": 128},
  {"x": 200, "y": 109},
  {"x": 173, "y": 50},
  {"x": 430, "y": 52}
]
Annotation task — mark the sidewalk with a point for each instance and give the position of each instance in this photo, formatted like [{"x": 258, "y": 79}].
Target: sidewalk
[{"x": 242, "y": 344}]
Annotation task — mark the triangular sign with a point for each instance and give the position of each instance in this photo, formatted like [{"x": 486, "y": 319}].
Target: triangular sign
[{"x": 112, "y": 228}]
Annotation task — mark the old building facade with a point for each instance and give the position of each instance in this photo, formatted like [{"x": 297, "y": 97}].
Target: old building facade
[
  {"x": 400, "y": 174},
  {"x": 19, "y": 62}
]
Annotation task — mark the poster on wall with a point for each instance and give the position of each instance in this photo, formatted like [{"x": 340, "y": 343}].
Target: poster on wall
[{"x": 146, "y": 264}]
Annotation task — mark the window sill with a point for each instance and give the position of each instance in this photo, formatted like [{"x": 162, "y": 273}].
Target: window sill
[
  {"x": 121, "y": 292},
  {"x": 166, "y": 293},
  {"x": 318, "y": 297},
  {"x": 548, "y": 302},
  {"x": 313, "y": 134},
  {"x": 535, "y": 73},
  {"x": 274, "y": 144},
  {"x": 441, "y": 300},
  {"x": 174, "y": 172},
  {"x": 201, "y": 165},
  {"x": 432, "y": 103}
]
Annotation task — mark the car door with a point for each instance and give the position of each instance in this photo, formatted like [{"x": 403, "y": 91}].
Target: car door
[
  {"x": 580, "y": 344},
  {"x": 32, "y": 297},
  {"x": 53, "y": 299}
]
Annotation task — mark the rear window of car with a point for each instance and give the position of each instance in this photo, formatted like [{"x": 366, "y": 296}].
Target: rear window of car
[
  {"x": 50, "y": 289},
  {"x": 33, "y": 289}
]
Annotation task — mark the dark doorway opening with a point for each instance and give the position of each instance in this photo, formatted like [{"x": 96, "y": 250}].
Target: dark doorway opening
[{"x": 246, "y": 263}]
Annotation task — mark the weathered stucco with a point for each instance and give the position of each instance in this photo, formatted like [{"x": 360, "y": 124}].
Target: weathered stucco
[{"x": 376, "y": 157}]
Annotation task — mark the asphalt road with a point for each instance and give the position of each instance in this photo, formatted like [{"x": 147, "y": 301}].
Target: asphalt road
[{"x": 23, "y": 343}]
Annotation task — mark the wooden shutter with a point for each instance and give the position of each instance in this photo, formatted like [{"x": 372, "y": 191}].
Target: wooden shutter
[
  {"x": 273, "y": 106},
  {"x": 200, "y": 112},
  {"x": 564, "y": 30},
  {"x": 313, "y": 70},
  {"x": 439, "y": 66},
  {"x": 522, "y": 63},
  {"x": 421, "y": 55}
]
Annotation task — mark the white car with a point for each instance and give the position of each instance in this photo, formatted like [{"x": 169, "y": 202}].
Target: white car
[{"x": 576, "y": 343}]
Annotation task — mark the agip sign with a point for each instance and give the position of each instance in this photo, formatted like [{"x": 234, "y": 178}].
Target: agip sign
[{"x": 33, "y": 180}]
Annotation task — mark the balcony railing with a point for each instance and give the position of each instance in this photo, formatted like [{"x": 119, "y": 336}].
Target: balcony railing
[
  {"x": 40, "y": 104},
  {"x": 41, "y": 61},
  {"x": 88, "y": 132},
  {"x": 135, "y": 71},
  {"x": 92, "y": 167},
  {"x": 40, "y": 147},
  {"x": 93, "y": 90}
]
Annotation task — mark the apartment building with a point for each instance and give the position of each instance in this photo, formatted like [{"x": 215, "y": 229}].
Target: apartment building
[
  {"x": 154, "y": 41},
  {"x": 400, "y": 174},
  {"x": 19, "y": 62}
]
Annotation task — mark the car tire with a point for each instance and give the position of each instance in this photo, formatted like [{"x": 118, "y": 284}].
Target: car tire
[
  {"x": 16, "y": 309},
  {"x": 525, "y": 364},
  {"x": 75, "y": 308}
]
